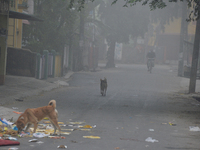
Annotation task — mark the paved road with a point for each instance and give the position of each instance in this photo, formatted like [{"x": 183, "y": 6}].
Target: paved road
[{"x": 138, "y": 105}]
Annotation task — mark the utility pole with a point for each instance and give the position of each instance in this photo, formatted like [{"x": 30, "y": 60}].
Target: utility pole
[
  {"x": 93, "y": 41},
  {"x": 4, "y": 17},
  {"x": 182, "y": 37},
  {"x": 81, "y": 39},
  {"x": 195, "y": 57}
]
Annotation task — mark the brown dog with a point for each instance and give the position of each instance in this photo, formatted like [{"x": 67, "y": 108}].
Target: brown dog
[{"x": 34, "y": 115}]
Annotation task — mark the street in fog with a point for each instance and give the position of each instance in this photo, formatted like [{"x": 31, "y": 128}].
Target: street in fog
[{"x": 140, "y": 111}]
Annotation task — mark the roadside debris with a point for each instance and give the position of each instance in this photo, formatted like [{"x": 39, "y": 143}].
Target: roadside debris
[
  {"x": 192, "y": 128},
  {"x": 39, "y": 142},
  {"x": 92, "y": 137},
  {"x": 17, "y": 112},
  {"x": 76, "y": 122},
  {"x": 33, "y": 140},
  {"x": 9, "y": 132},
  {"x": 129, "y": 139},
  {"x": 62, "y": 146},
  {"x": 13, "y": 148},
  {"x": 40, "y": 135},
  {"x": 172, "y": 124},
  {"x": 14, "y": 108},
  {"x": 19, "y": 100},
  {"x": 150, "y": 139},
  {"x": 57, "y": 137}
]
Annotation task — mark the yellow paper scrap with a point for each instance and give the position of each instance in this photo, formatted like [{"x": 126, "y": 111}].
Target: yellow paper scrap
[
  {"x": 46, "y": 118},
  {"x": 48, "y": 131},
  {"x": 5, "y": 128},
  {"x": 87, "y": 126},
  {"x": 92, "y": 137}
]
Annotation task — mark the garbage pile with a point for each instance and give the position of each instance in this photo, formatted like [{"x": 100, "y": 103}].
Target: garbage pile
[{"x": 9, "y": 132}]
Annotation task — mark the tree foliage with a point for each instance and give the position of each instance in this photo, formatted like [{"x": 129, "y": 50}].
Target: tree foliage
[
  {"x": 122, "y": 23},
  {"x": 193, "y": 5},
  {"x": 53, "y": 33}
]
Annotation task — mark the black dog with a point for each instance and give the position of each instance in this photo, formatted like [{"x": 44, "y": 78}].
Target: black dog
[{"x": 103, "y": 86}]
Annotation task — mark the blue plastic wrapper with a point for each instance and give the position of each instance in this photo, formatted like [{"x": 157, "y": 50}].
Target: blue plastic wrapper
[
  {"x": 15, "y": 128},
  {"x": 3, "y": 122}
]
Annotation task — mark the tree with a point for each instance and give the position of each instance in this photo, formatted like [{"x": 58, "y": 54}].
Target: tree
[
  {"x": 194, "y": 7},
  {"x": 122, "y": 24},
  {"x": 54, "y": 32}
]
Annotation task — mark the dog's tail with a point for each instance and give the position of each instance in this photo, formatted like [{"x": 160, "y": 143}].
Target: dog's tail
[{"x": 52, "y": 103}]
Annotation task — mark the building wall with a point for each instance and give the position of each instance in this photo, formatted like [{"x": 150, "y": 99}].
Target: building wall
[
  {"x": 168, "y": 42},
  {"x": 15, "y": 26}
]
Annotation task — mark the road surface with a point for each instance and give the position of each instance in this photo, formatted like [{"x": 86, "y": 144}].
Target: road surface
[{"x": 134, "y": 115}]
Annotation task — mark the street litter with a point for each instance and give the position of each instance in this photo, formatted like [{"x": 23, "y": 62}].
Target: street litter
[
  {"x": 23, "y": 134},
  {"x": 8, "y": 142},
  {"x": 57, "y": 137},
  {"x": 20, "y": 100},
  {"x": 39, "y": 142},
  {"x": 33, "y": 140},
  {"x": 76, "y": 122},
  {"x": 149, "y": 139},
  {"x": 192, "y": 128},
  {"x": 75, "y": 126},
  {"x": 172, "y": 124},
  {"x": 40, "y": 135},
  {"x": 12, "y": 138},
  {"x": 10, "y": 132},
  {"x": 151, "y": 130},
  {"x": 129, "y": 139},
  {"x": 73, "y": 141},
  {"x": 68, "y": 129},
  {"x": 13, "y": 148},
  {"x": 14, "y": 108},
  {"x": 85, "y": 129},
  {"x": 17, "y": 112},
  {"x": 87, "y": 126},
  {"x": 164, "y": 123},
  {"x": 65, "y": 133},
  {"x": 92, "y": 137},
  {"x": 62, "y": 146},
  {"x": 4, "y": 121},
  {"x": 48, "y": 122}
]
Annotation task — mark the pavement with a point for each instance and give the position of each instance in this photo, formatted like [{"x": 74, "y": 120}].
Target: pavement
[{"x": 16, "y": 88}]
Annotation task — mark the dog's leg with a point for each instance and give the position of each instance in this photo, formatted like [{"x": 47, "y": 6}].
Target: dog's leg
[
  {"x": 27, "y": 127},
  {"x": 35, "y": 127},
  {"x": 55, "y": 125}
]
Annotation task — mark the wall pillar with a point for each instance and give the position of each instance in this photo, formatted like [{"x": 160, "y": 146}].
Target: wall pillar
[{"x": 3, "y": 41}]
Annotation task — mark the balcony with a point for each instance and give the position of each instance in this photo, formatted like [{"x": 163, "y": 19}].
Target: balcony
[{"x": 22, "y": 4}]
